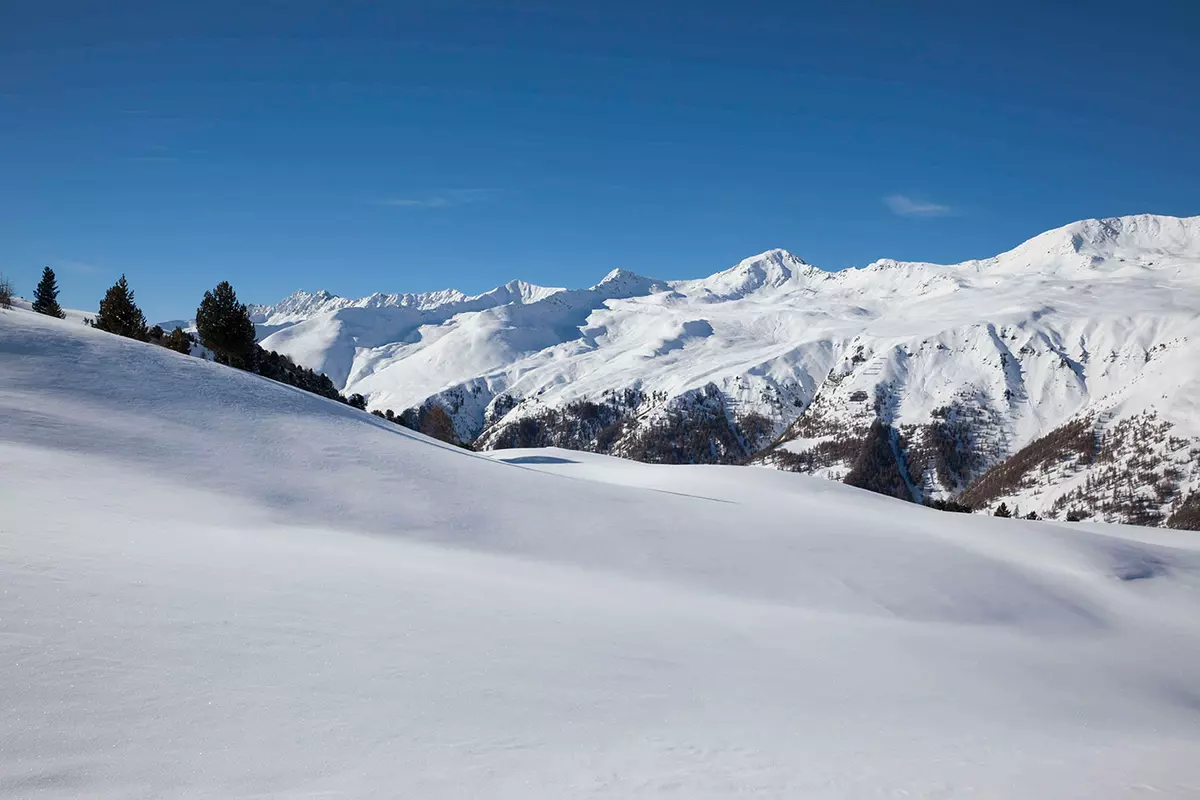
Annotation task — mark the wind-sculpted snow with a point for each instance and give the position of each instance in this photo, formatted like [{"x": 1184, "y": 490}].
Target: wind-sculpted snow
[{"x": 215, "y": 585}]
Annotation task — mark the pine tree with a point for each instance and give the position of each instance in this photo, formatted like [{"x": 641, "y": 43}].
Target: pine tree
[
  {"x": 1002, "y": 511},
  {"x": 225, "y": 328},
  {"x": 45, "y": 296},
  {"x": 178, "y": 341},
  {"x": 120, "y": 315}
]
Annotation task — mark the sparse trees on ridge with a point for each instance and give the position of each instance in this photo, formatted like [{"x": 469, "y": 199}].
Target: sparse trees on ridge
[
  {"x": 45, "y": 296},
  {"x": 224, "y": 327},
  {"x": 6, "y": 292}
]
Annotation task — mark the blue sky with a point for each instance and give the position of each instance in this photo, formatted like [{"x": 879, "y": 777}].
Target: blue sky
[{"x": 363, "y": 147}]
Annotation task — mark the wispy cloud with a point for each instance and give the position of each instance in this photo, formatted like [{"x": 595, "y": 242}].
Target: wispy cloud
[
  {"x": 442, "y": 199},
  {"x": 904, "y": 206},
  {"x": 79, "y": 267},
  {"x": 156, "y": 152}
]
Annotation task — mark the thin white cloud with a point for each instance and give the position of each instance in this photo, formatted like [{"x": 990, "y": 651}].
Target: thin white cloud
[
  {"x": 904, "y": 206},
  {"x": 444, "y": 199},
  {"x": 436, "y": 201},
  {"x": 81, "y": 267}
]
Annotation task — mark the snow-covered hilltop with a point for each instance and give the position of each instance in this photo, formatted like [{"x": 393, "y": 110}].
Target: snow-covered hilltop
[{"x": 1096, "y": 324}]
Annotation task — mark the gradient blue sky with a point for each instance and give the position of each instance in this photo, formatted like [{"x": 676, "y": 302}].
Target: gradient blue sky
[{"x": 408, "y": 146}]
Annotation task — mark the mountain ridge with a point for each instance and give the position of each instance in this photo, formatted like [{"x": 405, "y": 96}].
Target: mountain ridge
[
  {"x": 1094, "y": 235},
  {"x": 776, "y": 362}
]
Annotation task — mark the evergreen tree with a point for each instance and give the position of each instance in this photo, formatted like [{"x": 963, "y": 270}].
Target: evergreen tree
[
  {"x": 225, "y": 328},
  {"x": 1002, "y": 511},
  {"x": 178, "y": 341},
  {"x": 120, "y": 315},
  {"x": 6, "y": 291},
  {"x": 45, "y": 296}
]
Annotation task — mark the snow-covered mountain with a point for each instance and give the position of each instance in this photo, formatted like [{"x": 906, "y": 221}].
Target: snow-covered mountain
[
  {"x": 215, "y": 585},
  {"x": 1096, "y": 324}
]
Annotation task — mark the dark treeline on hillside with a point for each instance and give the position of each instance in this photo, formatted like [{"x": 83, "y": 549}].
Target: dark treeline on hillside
[{"x": 1072, "y": 440}]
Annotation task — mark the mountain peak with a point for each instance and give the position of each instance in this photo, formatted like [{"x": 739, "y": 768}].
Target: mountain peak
[
  {"x": 777, "y": 255},
  {"x": 771, "y": 269},
  {"x": 618, "y": 274},
  {"x": 626, "y": 283}
]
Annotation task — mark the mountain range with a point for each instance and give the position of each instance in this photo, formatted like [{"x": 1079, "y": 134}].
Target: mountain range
[{"x": 1060, "y": 377}]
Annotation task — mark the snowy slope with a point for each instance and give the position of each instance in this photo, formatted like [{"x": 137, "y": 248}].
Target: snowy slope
[
  {"x": 215, "y": 585},
  {"x": 1082, "y": 319}
]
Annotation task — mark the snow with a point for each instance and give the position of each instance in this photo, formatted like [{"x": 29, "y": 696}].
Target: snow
[{"x": 218, "y": 586}]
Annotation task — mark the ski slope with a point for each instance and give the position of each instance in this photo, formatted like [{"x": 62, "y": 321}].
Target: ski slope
[{"x": 217, "y": 586}]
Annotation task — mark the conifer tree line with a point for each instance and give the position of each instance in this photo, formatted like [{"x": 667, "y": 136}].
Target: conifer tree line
[{"x": 223, "y": 327}]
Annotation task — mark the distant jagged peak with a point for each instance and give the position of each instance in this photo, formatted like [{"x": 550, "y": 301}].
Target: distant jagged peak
[
  {"x": 299, "y": 303},
  {"x": 300, "y": 297},
  {"x": 303, "y": 304},
  {"x": 518, "y": 291}
]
